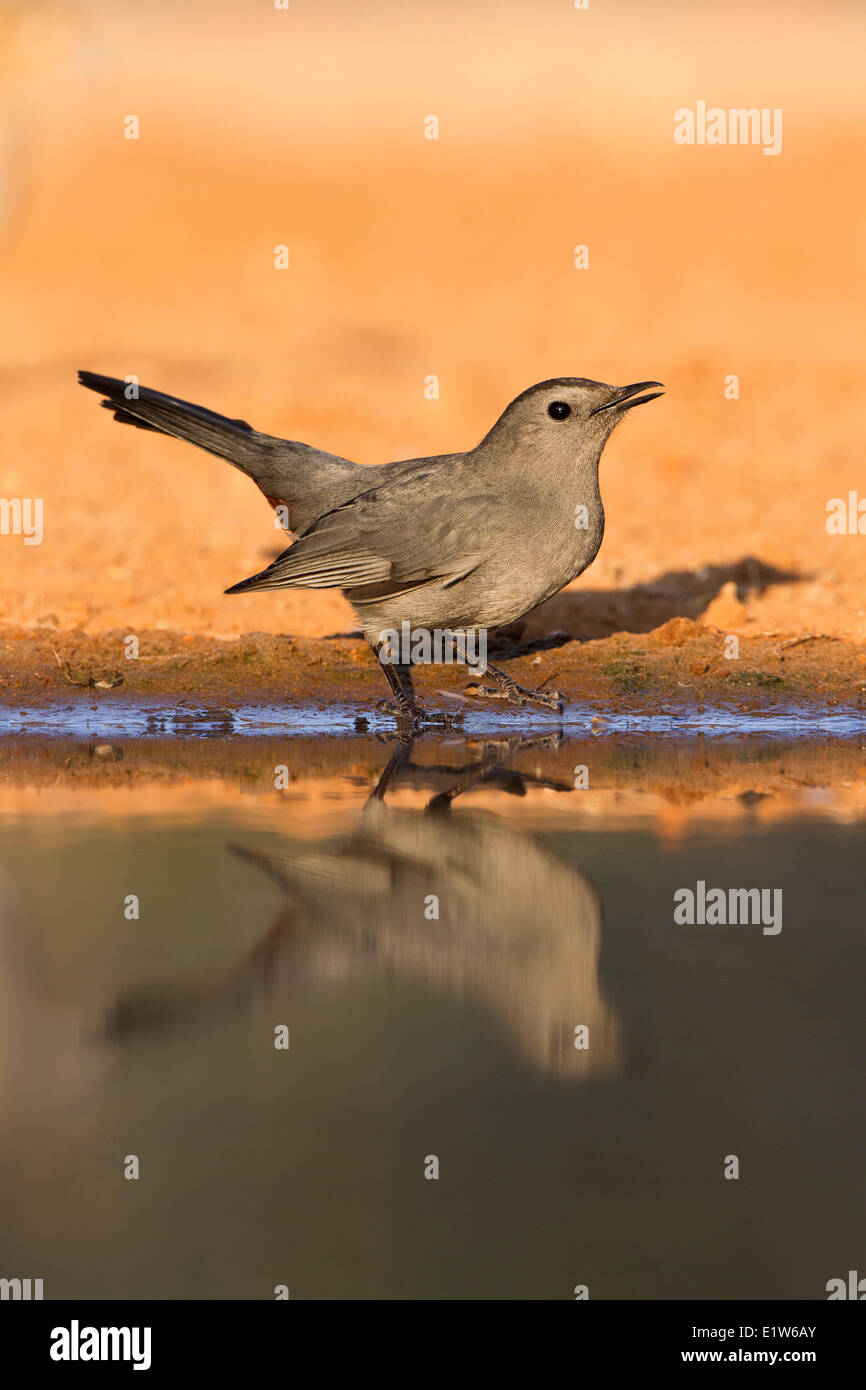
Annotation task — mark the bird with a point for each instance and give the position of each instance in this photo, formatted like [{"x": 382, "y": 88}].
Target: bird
[
  {"x": 452, "y": 546},
  {"x": 466, "y": 903}
]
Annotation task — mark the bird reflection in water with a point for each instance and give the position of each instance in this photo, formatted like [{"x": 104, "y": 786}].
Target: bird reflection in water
[{"x": 459, "y": 900}]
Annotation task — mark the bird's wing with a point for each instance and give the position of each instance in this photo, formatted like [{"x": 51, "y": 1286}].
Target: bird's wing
[
  {"x": 328, "y": 873},
  {"x": 409, "y": 530}
]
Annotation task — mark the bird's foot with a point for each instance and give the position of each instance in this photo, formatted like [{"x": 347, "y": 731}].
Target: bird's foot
[
  {"x": 508, "y": 689},
  {"x": 415, "y": 717}
]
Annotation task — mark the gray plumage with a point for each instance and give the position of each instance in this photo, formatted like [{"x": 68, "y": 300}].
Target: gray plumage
[
  {"x": 459, "y": 541},
  {"x": 517, "y": 927}
]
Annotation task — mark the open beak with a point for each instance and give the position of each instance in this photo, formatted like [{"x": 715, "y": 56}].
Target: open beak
[{"x": 628, "y": 396}]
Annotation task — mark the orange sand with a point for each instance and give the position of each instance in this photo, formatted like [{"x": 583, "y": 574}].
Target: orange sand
[{"x": 411, "y": 257}]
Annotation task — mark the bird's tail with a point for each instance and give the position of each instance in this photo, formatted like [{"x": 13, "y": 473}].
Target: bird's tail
[{"x": 151, "y": 410}]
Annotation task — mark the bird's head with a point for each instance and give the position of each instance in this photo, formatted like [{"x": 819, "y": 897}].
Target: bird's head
[{"x": 568, "y": 416}]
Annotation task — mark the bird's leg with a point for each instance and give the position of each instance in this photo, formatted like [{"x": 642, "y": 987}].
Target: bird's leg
[
  {"x": 399, "y": 760},
  {"x": 506, "y": 688},
  {"x": 404, "y": 704},
  {"x": 493, "y": 758}
]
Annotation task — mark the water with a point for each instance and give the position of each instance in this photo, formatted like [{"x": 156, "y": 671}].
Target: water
[{"x": 413, "y": 1035}]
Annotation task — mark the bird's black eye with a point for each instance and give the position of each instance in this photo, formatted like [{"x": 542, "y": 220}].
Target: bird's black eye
[{"x": 558, "y": 410}]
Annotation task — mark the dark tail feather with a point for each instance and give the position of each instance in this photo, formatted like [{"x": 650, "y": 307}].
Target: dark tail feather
[
  {"x": 245, "y": 585},
  {"x": 151, "y": 410},
  {"x": 126, "y": 419}
]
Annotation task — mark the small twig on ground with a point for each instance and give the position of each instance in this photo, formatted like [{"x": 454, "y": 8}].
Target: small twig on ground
[
  {"x": 811, "y": 637},
  {"x": 109, "y": 681}
]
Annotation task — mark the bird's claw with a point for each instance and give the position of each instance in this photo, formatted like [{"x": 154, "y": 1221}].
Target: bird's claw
[
  {"x": 549, "y": 699},
  {"x": 515, "y": 694},
  {"x": 416, "y": 717}
]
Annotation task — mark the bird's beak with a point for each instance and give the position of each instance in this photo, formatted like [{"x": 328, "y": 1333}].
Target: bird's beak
[{"x": 627, "y": 396}]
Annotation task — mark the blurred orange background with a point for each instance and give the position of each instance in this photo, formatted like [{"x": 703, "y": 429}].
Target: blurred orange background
[{"x": 412, "y": 257}]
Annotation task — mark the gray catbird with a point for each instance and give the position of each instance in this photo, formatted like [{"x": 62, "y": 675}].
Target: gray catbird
[
  {"x": 457, "y": 543},
  {"x": 352, "y": 905}
]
